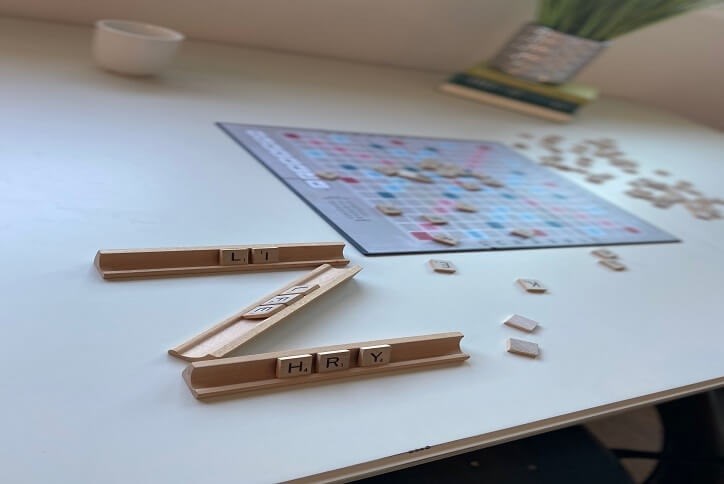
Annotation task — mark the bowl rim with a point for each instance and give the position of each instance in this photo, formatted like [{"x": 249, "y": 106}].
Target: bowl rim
[{"x": 106, "y": 24}]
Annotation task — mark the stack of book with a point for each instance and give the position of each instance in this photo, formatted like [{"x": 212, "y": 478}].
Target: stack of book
[{"x": 548, "y": 101}]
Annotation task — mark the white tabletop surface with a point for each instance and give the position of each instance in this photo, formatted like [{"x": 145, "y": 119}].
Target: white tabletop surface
[{"x": 90, "y": 160}]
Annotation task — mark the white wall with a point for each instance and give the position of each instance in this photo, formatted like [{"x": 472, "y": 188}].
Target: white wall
[{"x": 677, "y": 65}]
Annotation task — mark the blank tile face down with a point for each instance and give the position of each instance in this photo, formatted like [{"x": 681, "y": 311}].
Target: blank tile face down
[
  {"x": 328, "y": 361},
  {"x": 374, "y": 355},
  {"x": 228, "y": 257},
  {"x": 289, "y": 366},
  {"x": 532, "y": 285},
  {"x": 523, "y": 348},
  {"x": 263, "y": 311},
  {"x": 521, "y": 322}
]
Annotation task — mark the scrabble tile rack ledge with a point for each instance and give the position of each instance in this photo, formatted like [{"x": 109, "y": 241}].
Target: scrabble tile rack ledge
[
  {"x": 234, "y": 331},
  {"x": 254, "y": 373},
  {"x": 172, "y": 262}
]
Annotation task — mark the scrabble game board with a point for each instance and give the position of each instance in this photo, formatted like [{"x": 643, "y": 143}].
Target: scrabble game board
[{"x": 518, "y": 204}]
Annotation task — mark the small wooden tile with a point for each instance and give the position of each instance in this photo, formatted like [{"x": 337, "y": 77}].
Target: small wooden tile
[
  {"x": 662, "y": 172},
  {"x": 386, "y": 170},
  {"x": 521, "y": 322},
  {"x": 435, "y": 219},
  {"x": 264, "y": 255},
  {"x": 444, "y": 239},
  {"x": 374, "y": 355},
  {"x": 329, "y": 361},
  {"x": 301, "y": 289},
  {"x": 263, "y": 312},
  {"x": 604, "y": 254},
  {"x": 290, "y": 366},
  {"x": 470, "y": 186},
  {"x": 521, "y": 146},
  {"x": 327, "y": 175},
  {"x": 584, "y": 162},
  {"x": 523, "y": 233},
  {"x": 444, "y": 266},
  {"x": 492, "y": 182},
  {"x": 390, "y": 210},
  {"x": 465, "y": 207},
  {"x": 532, "y": 285},
  {"x": 285, "y": 299},
  {"x": 448, "y": 172},
  {"x": 523, "y": 348},
  {"x": 230, "y": 257},
  {"x": 414, "y": 176},
  {"x": 640, "y": 193},
  {"x": 429, "y": 164},
  {"x": 612, "y": 264}
]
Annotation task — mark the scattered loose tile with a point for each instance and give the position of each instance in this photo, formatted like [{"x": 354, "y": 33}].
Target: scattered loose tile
[
  {"x": 584, "y": 162},
  {"x": 444, "y": 239},
  {"x": 491, "y": 182},
  {"x": 532, "y": 285},
  {"x": 523, "y": 233},
  {"x": 414, "y": 176},
  {"x": 612, "y": 264},
  {"x": 448, "y": 172},
  {"x": 389, "y": 210},
  {"x": 521, "y": 322},
  {"x": 640, "y": 193},
  {"x": 228, "y": 257},
  {"x": 386, "y": 170},
  {"x": 470, "y": 186},
  {"x": 604, "y": 254},
  {"x": 435, "y": 219},
  {"x": 429, "y": 164},
  {"x": 662, "y": 172},
  {"x": 327, "y": 175},
  {"x": 263, "y": 311},
  {"x": 302, "y": 289},
  {"x": 298, "y": 365},
  {"x": 444, "y": 266},
  {"x": 285, "y": 299},
  {"x": 523, "y": 348},
  {"x": 551, "y": 158},
  {"x": 521, "y": 146},
  {"x": 465, "y": 207},
  {"x": 329, "y": 361},
  {"x": 374, "y": 355}
]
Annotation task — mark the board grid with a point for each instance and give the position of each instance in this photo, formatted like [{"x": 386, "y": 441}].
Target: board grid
[{"x": 532, "y": 198}]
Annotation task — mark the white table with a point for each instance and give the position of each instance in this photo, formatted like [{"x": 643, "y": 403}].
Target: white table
[{"x": 90, "y": 160}]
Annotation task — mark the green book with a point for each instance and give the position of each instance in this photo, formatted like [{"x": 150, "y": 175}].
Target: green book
[{"x": 571, "y": 92}]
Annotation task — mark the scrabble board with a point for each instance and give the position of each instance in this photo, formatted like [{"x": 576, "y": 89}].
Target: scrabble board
[{"x": 511, "y": 194}]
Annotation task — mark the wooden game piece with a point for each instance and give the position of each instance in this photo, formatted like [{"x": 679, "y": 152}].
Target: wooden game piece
[
  {"x": 291, "y": 366},
  {"x": 434, "y": 219},
  {"x": 285, "y": 299},
  {"x": 612, "y": 264},
  {"x": 604, "y": 254},
  {"x": 233, "y": 256},
  {"x": 595, "y": 179},
  {"x": 465, "y": 207},
  {"x": 443, "y": 266},
  {"x": 153, "y": 263},
  {"x": 414, "y": 176},
  {"x": 521, "y": 322},
  {"x": 389, "y": 210},
  {"x": 386, "y": 170},
  {"x": 374, "y": 355},
  {"x": 551, "y": 139},
  {"x": 328, "y": 361},
  {"x": 491, "y": 182},
  {"x": 552, "y": 159},
  {"x": 470, "y": 186},
  {"x": 264, "y": 255},
  {"x": 242, "y": 374},
  {"x": 302, "y": 289},
  {"x": 234, "y": 331},
  {"x": 521, "y": 146},
  {"x": 584, "y": 162},
  {"x": 443, "y": 239},
  {"x": 263, "y": 311},
  {"x": 448, "y": 171},
  {"x": 630, "y": 171},
  {"x": 662, "y": 202},
  {"x": 662, "y": 172},
  {"x": 327, "y": 175},
  {"x": 429, "y": 164},
  {"x": 523, "y": 233},
  {"x": 523, "y": 348},
  {"x": 579, "y": 149},
  {"x": 640, "y": 193},
  {"x": 532, "y": 285}
]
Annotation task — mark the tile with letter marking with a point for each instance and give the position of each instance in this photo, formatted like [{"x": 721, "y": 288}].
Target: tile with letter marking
[
  {"x": 298, "y": 365},
  {"x": 328, "y": 361},
  {"x": 285, "y": 299},
  {"x": 612, "y": 264},
  {"x": 228, "y": 257},
  {"x": 532, "y": 285},
  {"x": 301, "y": 289},
  {"x": 444, "y": 266},
  {"x": 374, "y": 355},
  {"x": 263, "y": 311},
  {"x": 521, "y": 322},
  {"x": 444, "y": 239},
  {"x": 604, "y": 254},
  {"x": 523, "y": 348},
  {"x": 264, "y": 255}
]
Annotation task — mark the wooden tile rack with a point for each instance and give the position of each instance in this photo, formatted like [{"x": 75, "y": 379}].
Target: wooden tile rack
[
  {"x": 228, "y": 376},
  {"x": 236, "y": 330},
  {"x": 147, "y": 263}
]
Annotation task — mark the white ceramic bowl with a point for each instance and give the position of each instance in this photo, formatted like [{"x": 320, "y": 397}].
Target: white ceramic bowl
[{"x": 134, "y": 48}]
